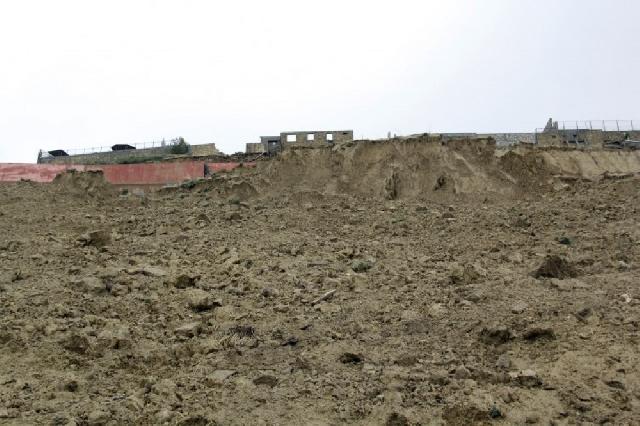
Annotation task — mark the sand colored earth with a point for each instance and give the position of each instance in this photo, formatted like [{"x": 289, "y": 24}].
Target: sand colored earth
[{"x": 395, "y": 283}]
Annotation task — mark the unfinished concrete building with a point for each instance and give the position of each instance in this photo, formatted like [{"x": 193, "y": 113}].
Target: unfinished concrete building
[
  {"x": 316, "y": 138},
  {"x": 307, "y": 138}
]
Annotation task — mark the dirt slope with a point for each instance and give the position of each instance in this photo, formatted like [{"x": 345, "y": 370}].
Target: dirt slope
[
  {"x": 481, "y": 301},
  {"x": 431, "y": 169}
]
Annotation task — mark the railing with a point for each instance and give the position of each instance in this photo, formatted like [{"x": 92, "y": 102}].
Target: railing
[
  {"x": 96, "y": 150},
  {"x": 606, "y": 125}
]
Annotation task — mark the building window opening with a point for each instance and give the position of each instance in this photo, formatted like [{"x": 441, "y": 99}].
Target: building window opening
[
  {"x": 291, "y": 138},
  {"x": 311, "y": 137},
  {"x": 329, "y": 137}
]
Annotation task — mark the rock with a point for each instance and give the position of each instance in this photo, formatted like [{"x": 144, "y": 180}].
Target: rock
[
  {"x": 565, "y": 241},
  {"x": 218, "y": 377},
  {"x": 616, "y": 384},
  {"x": 231, "y": 216},
  {"x": 350, "y": 358},
  {"x": 98, "y": 238},
  {"x": 266, "y": 380},
  {"x": 195, "y": 420},
  {"x": 622, "y": 265},
  {"x": 396, "y": 419},
  {"x": 119, "y": 290},
  {"x": 496, "y": 335},
  {"x": 76, "y": 343},
  {"x": 268, "y": 292},
  {"x": 407, "y": 360},
  {"x": 210, "y": 345},
  {"x": 516, "y": 258},
  {"x": 165, "y": 388},
  {"x": 115, "y": 337},
  {"x": 200, "y": 300},
  {"x": 495, "y": 413},
  {"x": 462, "y": 373},
  {"x": 555, "y": 266},
  {"x": 68, "y": 384},
  {"x": 437, "y": 310},
  {"x": 282, "y": 309},
  {"x": 165, "y": 416},
  {"x": 526, "y": 378},
  {"x": 183, "y": 281},
  {"x": 567, "y": 284},
  {"x": 98, "y": 418},
  {"x": 242, "y": 331},
  {"x": 539, "y": 333},
  {"x": 328, "y": 295},
  {"x": 151, "y": 271},
  {"x": 503, "y": 362},
  {"x": 439, "y": 377},
  {"x": 188, "y": 330},
  {"x": 467, "y": 274},
  {"x": 17, "y": 276},
  {"x": 291, "y": 341},
  {"x": 418, "y": 326},
  {"x": 92, "y": 285},
  {"x": 133, "y": 403},
  {"x": 519, "y": 308},
  {"x": 361, "y": 266}
]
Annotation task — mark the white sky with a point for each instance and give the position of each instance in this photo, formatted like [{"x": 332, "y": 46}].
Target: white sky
[{"x": 93, "y": 73}]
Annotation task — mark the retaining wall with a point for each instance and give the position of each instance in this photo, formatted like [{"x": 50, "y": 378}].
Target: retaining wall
[{"x": 118, "y": 174}]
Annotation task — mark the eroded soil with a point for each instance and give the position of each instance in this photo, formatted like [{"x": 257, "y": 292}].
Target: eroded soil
[{"x": 184, "y": 307}]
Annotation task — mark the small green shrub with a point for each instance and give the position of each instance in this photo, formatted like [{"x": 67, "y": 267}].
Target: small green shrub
[{"x": 179, "y": 146}]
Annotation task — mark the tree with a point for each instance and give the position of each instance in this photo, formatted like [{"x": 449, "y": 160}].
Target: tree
[{"x": 179, "y": 146}]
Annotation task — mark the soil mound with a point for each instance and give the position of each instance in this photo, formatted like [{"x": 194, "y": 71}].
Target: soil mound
[
  {"x": 89, "y": 183},
  {"x": 225, "y": 185},
  {"x": 555, "y": 266},
  {"x": 429, "y": 167},
  {"x": 424, "y": 167}
]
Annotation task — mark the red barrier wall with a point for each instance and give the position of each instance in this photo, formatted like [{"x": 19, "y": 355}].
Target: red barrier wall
[
  {"x": 13, "y": 172},
  {"x": 150, "y": 173},
  {"x": 118, "y": 174}
]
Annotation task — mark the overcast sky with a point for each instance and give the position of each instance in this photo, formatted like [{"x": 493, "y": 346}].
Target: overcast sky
[{"x": 84, "y": 73}]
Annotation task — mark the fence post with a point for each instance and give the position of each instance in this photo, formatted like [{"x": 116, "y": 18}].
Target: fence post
[
  {"x": 618, "y": 125},
  {"x": 632, "y": 129},
  {"x": 604, "y": 127}
]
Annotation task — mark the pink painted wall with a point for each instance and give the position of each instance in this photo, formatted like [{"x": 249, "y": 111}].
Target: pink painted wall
[
  {"x": 150, "y": 173},
  {"x": 118, "y": 174},
  {"x": 14, "y": 172}
]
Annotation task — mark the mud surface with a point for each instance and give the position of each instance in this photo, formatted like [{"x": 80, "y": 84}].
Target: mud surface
[{"x": 210, "y": 304}]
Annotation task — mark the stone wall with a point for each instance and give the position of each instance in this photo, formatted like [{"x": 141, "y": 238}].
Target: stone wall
[
  {"x": 204, "y": 150},
  {"x": 254, "y": 148},
  {"x": 507, "y": 139}
]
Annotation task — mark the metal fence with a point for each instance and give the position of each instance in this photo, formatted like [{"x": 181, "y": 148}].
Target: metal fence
[
  {"x": 100, "y": 149},
  {"x": 606, "y": 125}
]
